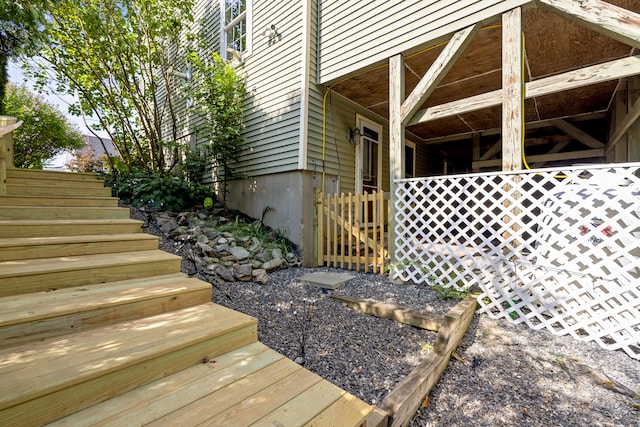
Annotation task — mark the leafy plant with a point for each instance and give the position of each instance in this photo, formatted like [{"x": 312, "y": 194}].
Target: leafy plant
[
  {"x": 160, "y": 190},
  {"x": 45, "y": 131},
  {"x": 85, "y": 160},
  {"x": 218, "y": 96}
]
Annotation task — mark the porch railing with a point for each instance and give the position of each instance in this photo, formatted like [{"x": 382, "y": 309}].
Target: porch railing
[
  {"x": 7, "y": 126},
  {"x": 557, "y": 249},
  {"x": 351, "y": 231}
]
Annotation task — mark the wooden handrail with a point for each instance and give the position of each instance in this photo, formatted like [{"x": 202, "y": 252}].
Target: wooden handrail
[
  {"x": 10, "y": 128},
  {"x": 6, "y": 149}
]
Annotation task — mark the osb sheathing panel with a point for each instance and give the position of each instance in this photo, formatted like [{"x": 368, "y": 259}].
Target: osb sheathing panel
[{"x": 553, "y": 45}]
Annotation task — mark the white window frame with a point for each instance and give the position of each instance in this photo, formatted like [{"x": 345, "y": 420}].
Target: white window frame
[{"x": 224, "y": 28}]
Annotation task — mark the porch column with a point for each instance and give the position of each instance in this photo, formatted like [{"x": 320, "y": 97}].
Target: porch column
[
  {"x": 396, "y": 140},
  {"x": 512, "y": 87}
]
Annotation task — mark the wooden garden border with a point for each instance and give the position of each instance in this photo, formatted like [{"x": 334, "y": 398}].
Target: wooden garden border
[{"x": 403, "y": 401}]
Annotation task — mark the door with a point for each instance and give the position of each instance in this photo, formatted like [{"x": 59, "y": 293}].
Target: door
[{"x": 369, "y": 156}]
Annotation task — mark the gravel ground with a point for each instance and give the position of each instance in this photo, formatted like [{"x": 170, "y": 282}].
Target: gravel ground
[{"x": 508, "y": 374}]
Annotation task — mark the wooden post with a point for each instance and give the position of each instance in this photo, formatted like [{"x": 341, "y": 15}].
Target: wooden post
[
  {"x": 6, "y": 152},
  {"x": 512, "y": 87},
  {"x": 396, "y": 140},
  {"x": 633, "y": 134},
  {"x": 512, "y": 114},
  {"x": 475, "y": 156}
]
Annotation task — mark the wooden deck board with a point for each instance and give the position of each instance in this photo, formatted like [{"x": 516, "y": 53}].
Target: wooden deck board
[
  {"x": 347, "y": 411},
  {"x": 303, "y": 407},
  {"x": 159, "y": 398},
  {"x": 251, "y": 409},
  {"x": 201, "y": 410},
  {"x": 27, "y": 372}
]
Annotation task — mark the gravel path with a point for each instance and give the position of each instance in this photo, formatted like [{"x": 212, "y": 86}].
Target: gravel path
[{"x": 509, "y": 375}]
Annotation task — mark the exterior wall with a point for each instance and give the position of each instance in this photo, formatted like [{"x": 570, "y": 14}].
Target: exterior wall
[
  {"x": 364, "y": 33},
  {"x": 290, "y": 197},
  {"x": 273, "y": 79}
]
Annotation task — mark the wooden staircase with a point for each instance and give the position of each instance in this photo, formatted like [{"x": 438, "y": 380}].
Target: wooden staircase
[{"x": 99, "y": 327}]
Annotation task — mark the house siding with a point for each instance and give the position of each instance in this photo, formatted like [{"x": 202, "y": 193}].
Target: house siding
[
  {"x": 361, "y": 34},
  {"x": 273, "y": 81}
]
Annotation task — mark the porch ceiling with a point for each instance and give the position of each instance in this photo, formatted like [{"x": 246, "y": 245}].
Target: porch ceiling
[{"x": 553, "y": 45}]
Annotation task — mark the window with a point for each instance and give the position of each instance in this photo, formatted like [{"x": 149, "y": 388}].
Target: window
[{"x": 235, "y": 27}]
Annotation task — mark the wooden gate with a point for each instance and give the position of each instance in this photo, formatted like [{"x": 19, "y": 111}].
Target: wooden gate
[{"x": 351, "y": 231}]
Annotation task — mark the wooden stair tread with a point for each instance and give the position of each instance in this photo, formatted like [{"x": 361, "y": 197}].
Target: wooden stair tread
[
  {"x": 21, "y": 248},
  {"x": 250, "y": 385},
  {"x": 63, "y": 212},
  {"x": 42, "y": 190},
  {"x": 31, "y": 370},
  {"x": 86, "y": 238},
  {"x": 54, "y": 222},
  {"x": 48, "y": 174},
  {"x": 25, "y": 200},
  {"x": 36, "y": 306},
  {"x": 81, "y": 262}
]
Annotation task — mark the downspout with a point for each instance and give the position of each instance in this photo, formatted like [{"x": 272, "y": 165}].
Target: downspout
[{"x": 304, "y": 84}]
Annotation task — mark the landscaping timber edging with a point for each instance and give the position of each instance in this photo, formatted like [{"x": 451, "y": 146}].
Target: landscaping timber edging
[
  {"x": 403, "y": 401},
  {"x": 407, "y": 316}
]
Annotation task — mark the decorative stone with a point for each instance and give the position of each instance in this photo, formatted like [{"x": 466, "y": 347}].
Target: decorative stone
[
  {"x": 260, "y": 276},
  {"x": 224, "y": 273},
  {"x": 239, "y": 252},
  {"x": 263, "y": 256},
  {"x": 243, "y": 272},
  {"x": 273, "y": 264},
  {"x": 276, "y": 253}
]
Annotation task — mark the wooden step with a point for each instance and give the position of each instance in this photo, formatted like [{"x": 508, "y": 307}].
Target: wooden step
[
  {"x": 40, "y": 315},
  {"x": 58, "y": 201},
  {"x": 52, "y": 228},
  {"x": 252, "y": 385},
  {"x": 56, "y": 182},
  {"x": 62, "y": 212},
  {"x": 37, "y": 275},
  {"x": 64, "y": 246},
  {"x": 44, "y": 381},
  {"x": 51, "y": 190},
  {"x": 54, "y": 175}
]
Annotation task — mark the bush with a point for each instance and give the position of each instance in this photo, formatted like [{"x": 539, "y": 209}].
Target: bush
[
  {"x": 44, "y": 133},
  {"x": 160, "y": 190}
]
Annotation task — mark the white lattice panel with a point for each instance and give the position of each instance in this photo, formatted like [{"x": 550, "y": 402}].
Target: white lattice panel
[{"x": 555, "y": 248}]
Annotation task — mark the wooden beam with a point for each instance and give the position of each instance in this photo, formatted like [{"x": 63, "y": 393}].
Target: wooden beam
[
  {"x": 437, "y": 71},
  {"x": 396, "y": 139},
  {"x": 596, "y": 115},
  {"x": 576, "y": 133},
  {"x": 627, "y": 121},
  {"x": 613, "y": 21},
  {"x": 512, "y": 87},
  {"x": 586, "y": 154},
  {"x": 612, "y": 70},
  {"x": 431, "y": 322},
  {"x": 495, "y": 149},
  {"x": 555, "y": 149}
]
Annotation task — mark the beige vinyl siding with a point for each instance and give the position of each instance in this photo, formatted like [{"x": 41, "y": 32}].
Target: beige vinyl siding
[
  {"x": 273, "y": 81},
  {"x": 364, "y": 33}
]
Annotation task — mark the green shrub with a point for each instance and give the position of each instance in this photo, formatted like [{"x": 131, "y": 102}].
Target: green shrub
[{"x": 159, "y": 190}]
